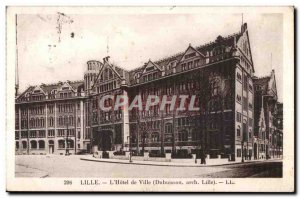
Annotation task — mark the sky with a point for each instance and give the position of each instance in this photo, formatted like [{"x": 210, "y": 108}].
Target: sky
[{"x": 48, "y": 54}]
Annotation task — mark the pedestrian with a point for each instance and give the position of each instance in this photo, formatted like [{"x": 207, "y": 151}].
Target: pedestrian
[{"x": 203, "y": 156}]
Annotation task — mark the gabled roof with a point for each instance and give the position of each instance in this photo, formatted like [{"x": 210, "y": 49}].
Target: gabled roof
[
  {"x": 117, "y": 70},
  {"x": 47, "y": 88},
  {"x": 244, "y": 34},
  {"x": 38, "y": 88},
  {"x": 189, "y": 50},
  {"x": 228, "y": 41},
  {"x": 149, "y": 64},
  {"x": 269, "y": 82}
]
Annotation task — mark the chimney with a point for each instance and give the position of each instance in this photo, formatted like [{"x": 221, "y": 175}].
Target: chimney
[
  {"x": 106, "y": 59},
  {"x": 244, "y": 27}
]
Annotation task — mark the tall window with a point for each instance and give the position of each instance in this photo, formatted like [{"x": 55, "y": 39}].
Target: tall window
[
  {"x": 16, "y": 135},
  {"x": 41, "y": 144},
  {"x": 245, "y": 103},
  {"x": 238, "y": 131},
  {"x": 42, "y": 134},
  {"x": 214, "y": 88},
  {"x": 51, "y": 133},
  {"x": 33, "y": 144},
  {"x": 24, "y": 144},
  {"x": 51, "y": 122},
  {"x": 183, "y": 136},
  {"x": 61, "y": 144},
  {"x": 245, "y": 83},
  {"x": 155, "y": 137},
  {"x": 32, "y": 134}
]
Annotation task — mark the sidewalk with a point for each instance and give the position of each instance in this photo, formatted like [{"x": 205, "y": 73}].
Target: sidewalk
[
  {"x": 174, "y": 164},
  {"x": 26, "y": 171}
]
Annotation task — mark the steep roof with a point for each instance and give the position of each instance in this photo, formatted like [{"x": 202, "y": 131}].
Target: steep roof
[
  {"x": 47, "y": 88},
  {"x": 228, "y": 41}
]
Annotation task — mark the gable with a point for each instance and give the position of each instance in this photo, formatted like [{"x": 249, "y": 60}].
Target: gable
[
  {"x": 243, "y": 45},
  {"x": 106, "y": 72},
  {"x": 66, "y": 86},
  {"x": 272, "y": 89},
  {"x": 150, "y": 67},
  {"x": 38, "y": 90},
  {"x": 190, "y": 53}
]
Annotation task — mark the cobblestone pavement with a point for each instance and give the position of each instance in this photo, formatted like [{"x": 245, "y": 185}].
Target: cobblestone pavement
[{"x": 72, "y": 166}]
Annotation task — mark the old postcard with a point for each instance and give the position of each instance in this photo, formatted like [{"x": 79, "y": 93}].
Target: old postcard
[{"x": 143, "y": 99}]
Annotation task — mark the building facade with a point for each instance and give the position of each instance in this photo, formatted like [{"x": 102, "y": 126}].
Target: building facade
[
  {"x": 50, "y": 119},
  {"x": 219, "y": 74},
  {"x": 269, "y": 118}
]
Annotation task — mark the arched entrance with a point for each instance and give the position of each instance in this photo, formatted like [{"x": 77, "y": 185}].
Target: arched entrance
[
  {"x": 106, "y": 137},
  {"x": 103, "y": 140},
  {"x": 51, "y": 146}
]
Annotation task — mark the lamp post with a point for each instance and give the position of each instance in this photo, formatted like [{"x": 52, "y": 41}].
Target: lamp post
[
  {"x": 243, "y": 151},
  {"x": 130, "y": 149}
]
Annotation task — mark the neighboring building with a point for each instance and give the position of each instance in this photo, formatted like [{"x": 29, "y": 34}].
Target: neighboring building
[
  {"x": 278, "y": 123},
  {"x": 268, "y": 131},
  {"x": 219, "y": 73},
  {"x": 45, "y": 113}
]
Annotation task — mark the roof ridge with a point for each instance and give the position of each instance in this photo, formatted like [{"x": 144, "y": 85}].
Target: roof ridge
[
  {"x": 196, "y": 47},
  {"x": 182, "y": 52},
  {"x": 262, "y": 77}
]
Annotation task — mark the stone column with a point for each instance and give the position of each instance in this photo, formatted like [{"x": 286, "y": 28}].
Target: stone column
[
  {"x": 55, "y": 129},
  {"x": 81, "y": 120},
  {"x": 46, "y": 130}
]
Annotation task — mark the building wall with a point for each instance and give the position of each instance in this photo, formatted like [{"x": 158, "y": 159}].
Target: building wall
[{"x": 42, "y": 125}]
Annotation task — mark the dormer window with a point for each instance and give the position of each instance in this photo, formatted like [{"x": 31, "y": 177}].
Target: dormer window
[
  {"x": 190, "y": 55},
  {"x": 136, "y": 77},
  {"x": 149, "y": 68},
  {"x": 54, "y": 91},
  {"x": 65, "y": 88}
]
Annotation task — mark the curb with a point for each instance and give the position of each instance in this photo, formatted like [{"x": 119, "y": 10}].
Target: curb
[{"x": 174, "y": 165}]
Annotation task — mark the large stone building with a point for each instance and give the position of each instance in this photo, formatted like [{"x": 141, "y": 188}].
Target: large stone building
[
  {"x": 219, "y": 74},
  {"x": 45, "y": 113}
]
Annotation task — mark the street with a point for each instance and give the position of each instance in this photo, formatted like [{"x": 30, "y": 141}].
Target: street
[{"x": 72, "y": 166}]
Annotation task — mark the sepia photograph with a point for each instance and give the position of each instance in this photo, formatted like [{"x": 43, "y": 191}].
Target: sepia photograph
[{"x": 150, "y": 99}]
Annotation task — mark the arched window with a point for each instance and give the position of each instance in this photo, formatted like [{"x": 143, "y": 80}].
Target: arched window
[
  {"x": 71, "y": 121},
  {"x": 37, "y": 122},
  {"x": 32, "y": 122},
  {"x": 24, "y": 144},
  {"x": 70, "y": 143},
  {"x": 42, "y": 122},
  {"x": 238, "y": 131},
  {"x": 17, "y": 145},
  {"x": 51, "y": 122},
  {"x": 41, "y": 144},
  {"x": 61, "y": 144},
  {"x": 33, "y": 144},
  {"x": 66, "y": 120}
]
